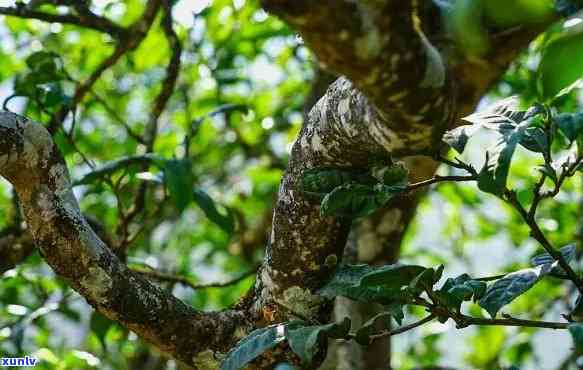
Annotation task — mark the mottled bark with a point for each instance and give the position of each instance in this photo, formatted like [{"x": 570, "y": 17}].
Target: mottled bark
[{"x": 34, "y": 166}]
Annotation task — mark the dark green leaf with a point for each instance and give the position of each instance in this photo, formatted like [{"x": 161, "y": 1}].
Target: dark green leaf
[
  {"x": 346, "y": 282},
  {"x": 568, "y": 253},
  {"x": 576, "y": 331},
  {"x": 570, "y": 124},
  {"x": 505, "y": 290},
  {"x": 493, "y": 176},
  {"x": 253, "y": 345},
  {"x": 356, "y": 200},
  {"x": 321, "y": 181},
  {"x": 392, "y": 276},
  {"x": 206, "y": 203},
  {"x": 307, "y": 341},
  {"x": 535, "y": 140},
  {"x": 396, "y": 174},
  {"x": 99, "y": 326},
  {"x": 179, "y": 181}
]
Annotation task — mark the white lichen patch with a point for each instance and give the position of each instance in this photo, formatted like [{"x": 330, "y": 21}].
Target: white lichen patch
[
  {"x": 97, "y": 283},
  {"x": 206, "y": 360},
  {"x": 46, "y": 206},
  {"x": 301, "y": 301}
]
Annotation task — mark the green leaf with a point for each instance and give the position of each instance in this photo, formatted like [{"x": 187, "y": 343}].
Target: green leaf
[
  {"x": 207, "y": 204},
  {"x": 99, "y": 326},
  {"x": 570, "y": 124},
  {"x": 253, "y": 345},
  {"x": 423, "y": 281},
  {"x": 493, "y": 176},
  {"x": 535, "y": 139},
  {"x": 459, "y": 289},
  {"x": 307, "y": 341},
  {"x": 505, "y": 290},
  {"x": 501, "y": 116},
  {"x": 396, "y": 174},
  {"x": 576, "y": 331},
  {"x": 179, "y": 181},
  {"x": 392, "y": 276},
  {"x": 346, "y": 282},
  {"x": 561, "y": 65},
  {"x": 378, "y": 323},
  {"x": 321, "y": 181},
  {"x": 356, "y": 200},
  {"x": 568, "y": 252}
]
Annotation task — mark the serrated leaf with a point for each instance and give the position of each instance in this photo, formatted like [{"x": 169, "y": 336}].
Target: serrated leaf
[
  {"x": 346, "y": 282},
  {"x": 493, "y": 176},
  {"x": 568, "y": 253},
  {"x": 179, "y": 182},
  {"x": 576, "y": 331},
  {"x": 320, "y": 181},
  {"x": 357, "y": 200},
  {"x": 253, "y": 345},
  {"x": 505, "y": 290},
  {"x": 504, "y": 114},
  {"x": 423, "y": 281},
  {"x": 225, "y": 221},
  {"x": 306, "y": 341},
  {"x": 393, "y": 276}
]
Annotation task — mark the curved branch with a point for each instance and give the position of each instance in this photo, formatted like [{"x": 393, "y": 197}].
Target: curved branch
[
  {"x": 88, "y": 20},
  {"x": 32, "y": 163}
]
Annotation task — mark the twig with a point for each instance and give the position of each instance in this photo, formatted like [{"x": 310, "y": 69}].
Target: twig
[
  {"x": 402, "y": 329},
  {"x": 438, "y": 178},
  {"x": 537, "y": 233},
  {"x": 88, "y": 20},
  {"x": 162, "y": 276}
]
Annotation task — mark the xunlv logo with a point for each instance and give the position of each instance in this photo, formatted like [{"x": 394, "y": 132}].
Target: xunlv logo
[{"x": 18, "y": 361}]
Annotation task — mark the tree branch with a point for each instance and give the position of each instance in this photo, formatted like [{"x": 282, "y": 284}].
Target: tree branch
[{"x": 33, "y": 165}]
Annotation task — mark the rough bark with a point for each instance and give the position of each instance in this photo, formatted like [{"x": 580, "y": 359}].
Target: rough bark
[{"x": 33, "y": 164}]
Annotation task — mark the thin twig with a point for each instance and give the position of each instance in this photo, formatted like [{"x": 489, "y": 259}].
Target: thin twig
[
  {"x": 402, "y": 329},
  {"x": 162, "y": 276}
]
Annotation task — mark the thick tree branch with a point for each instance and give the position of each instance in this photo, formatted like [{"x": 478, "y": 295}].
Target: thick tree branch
[{"x": 34, "y": 166}]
